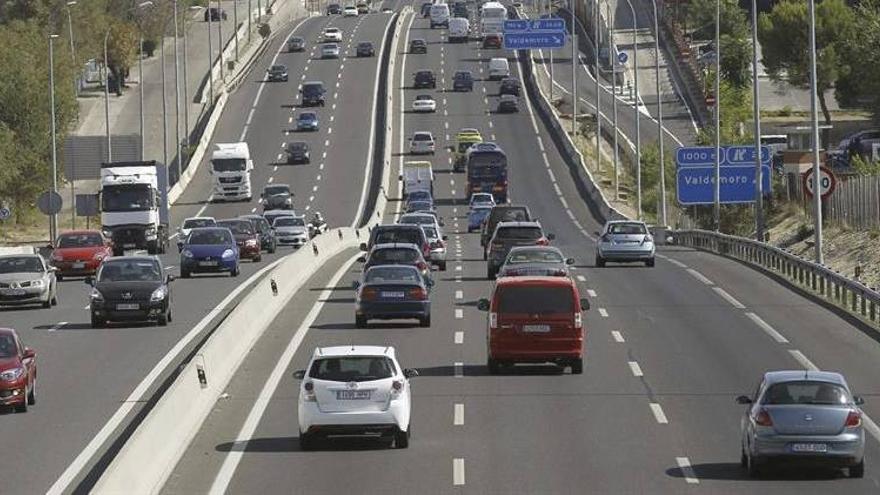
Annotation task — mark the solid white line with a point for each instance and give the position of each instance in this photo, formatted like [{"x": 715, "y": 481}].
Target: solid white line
[
  {"x": 767, "y": 328},
  {"x": 459, "y": 294},
  {"x": 618, "y": 337},
  {"x": 603, "y": 313},
  {"x": 699, "y": 276},
  {"x": 58, "y": 326},
  {"x": 233, "y": 457},
  {"x": 676, "y": 262},
  {"x": 635, "y": 368},
  {"x": 458, "y": 415},
  {"x": 684, "y": 464},
  {"x": 458, "y": 472},
  {"x": 459, "y": 337},
  {"x": 658, "y": 413},
  {"x": 723, "y": 293},
  {"x": 459, "y": 313},
  {"x": 871, "y": 426},
  {"x": 459, "y": 369},
  {"x": 591, "y": 293},
  {"x": 806, "y": 363}
]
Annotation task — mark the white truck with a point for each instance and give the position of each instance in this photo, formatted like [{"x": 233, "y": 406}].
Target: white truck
[
  {"x": 459, "y": 30},
  {"x": 492, "y": 16},
  {"x": 439, "y": 15},
  {"x": 134, "y": 206},
  {"x": 417, "y": 176},
  {"x": 231, "y": 166}
]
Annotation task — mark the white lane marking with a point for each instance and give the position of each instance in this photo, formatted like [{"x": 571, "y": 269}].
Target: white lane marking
[
  {"x": 459, "y": 369},
  {"x": 254, "y": 209},
  {"x": 459, "y": 294},
  {"x": 635, "y": 368},
  {"x": 459, "y": 313},
  {"x": 699, "y": 276},
  {"x": 603, "y": 312},
  {"x": 676, "y": 262},
  {"x": 326, "y": 142},
  {"x": 591, "y": 293},
  {"x": 271, "y": 179},
  {"x": 318, "y": 177},
  {"x": 459, "y": 337},
  {"x": 458, "y": 472},
  {"x": 732, "y": 300},
  {"x": 314, "y": 188},
  {"x": 59, "y": 326},
  {"x": 767, "y": 328},
  {"x": 800, "y": 358},
  {"x": 87, "y": 306},
  {"x": 659, "y": 415},
  {"x": 233, "y": 457},
  {"x": 581, "y": 278},
  {"x": 458, "y": 415},
  {"x": 135, "y": 399},
  {"x": 618, "y": 337},
  {"x": 329, "y": 130},
  {"x": 275, "y": 168},
  {"x": 871, "y": 426},
  {"x": 684, "y": 464},
  {"x": 205, "y": 206}
]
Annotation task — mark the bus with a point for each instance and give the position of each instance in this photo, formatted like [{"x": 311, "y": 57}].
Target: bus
[{"x": 487, "y": 170}]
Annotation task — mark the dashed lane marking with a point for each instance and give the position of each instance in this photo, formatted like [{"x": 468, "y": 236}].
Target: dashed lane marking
[
  {"x": 459, "y": 337},
  {"x": 458, "y": 367},
  {"x": 458, "y": 415},
  {"x": 732, "y": 300},
  {"x": 699, "y": 276},
  {"x": 458, "y": 472},
  {"x": 636, "y": 369},
  {"x": 459, "y": 313},
  {"x": 603, "y": 313},
  {"x": 58, "y": 326},
  {"x": 617, "y": 336},
  {"x": 800, "y": 358},
  {"x": 684, "y": 464},
  {"x": 659, "y": 415},
  {"x": 763, "y": 325}
]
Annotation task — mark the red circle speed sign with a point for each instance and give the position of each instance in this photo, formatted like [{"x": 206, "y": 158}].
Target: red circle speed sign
[{"x": 827, "y": 181}]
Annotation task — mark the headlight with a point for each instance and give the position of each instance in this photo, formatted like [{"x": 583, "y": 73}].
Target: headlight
[
  {"x": 11, "y": 375},
  {"x": 99, "y": 256},
  {"x": 228, "y": 254},
  {"x": 186, "y": 253},
  {"x": 159, "y": 294},
  {"x": 96, "y": 295},
  {"x": 36, "y": 283},
  {"x": 289, "y": 200},
  {"x": 107, "y": 232}
]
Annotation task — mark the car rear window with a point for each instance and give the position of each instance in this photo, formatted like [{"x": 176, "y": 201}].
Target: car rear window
[
  {"x": 238, "y": 226},
  {"x": 392, "y": 274},
  {"x": 422, "y": 137},
  {"x": 80, "y": 240},
  {"x": 519, "y": 233},
  {"x": 352, "y": 369},
  {"x": 806, "y": 392},
  {"x": 289, "y": 222},
  {"x": 212, "y": 236},
  {"x": 534, "y": 300},
  {"x": 410, "y": 236},
  {"x": 627, "y": 228},
  {"x": 23, "y": 264},
  {"x": 535, "y": 256},
  {"x": 193, "y": 223},
  {"x": 418, "y": 219},
  {"x": 509, "y": 215},
  {"x": 394, "y": 255}
]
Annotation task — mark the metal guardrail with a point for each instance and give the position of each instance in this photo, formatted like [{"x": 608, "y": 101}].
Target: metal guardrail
[{"x": 828, "y": 284}]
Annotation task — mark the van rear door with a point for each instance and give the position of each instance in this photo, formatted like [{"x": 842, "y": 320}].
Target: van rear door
[{"x": 536, "y": 321}]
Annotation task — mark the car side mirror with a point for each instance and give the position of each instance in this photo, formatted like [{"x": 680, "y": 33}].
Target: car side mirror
[
  {"x": 89, "y": 281},
  {"x": 363, "y": 246},
  {"x": 551, "y": 237},
  {"x": 169, "y": 279},
  {"x": 442, "y": 224},
  {"x": 445, "y": 237},
  {"x": 410, "y": 373},
  {"x": 569, "y": 261},
  {"x": 299, "y": 374},
  {"x": 179, "y": 246},
  {"x": 742, "y": 399},
  {"x": 50, "y": 246},
  {"x": 29, "y": 353},
  {"x": 483, "y": 304},
  {"x": 585, "y": 304},
  {"x": 858, "y": 400},
  {"x": 355, "y": 284},
  {"x": 362, "y": 259}
]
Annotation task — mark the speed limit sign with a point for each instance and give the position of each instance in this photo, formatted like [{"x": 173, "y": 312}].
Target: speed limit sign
[{"x": 827, "y": 181}]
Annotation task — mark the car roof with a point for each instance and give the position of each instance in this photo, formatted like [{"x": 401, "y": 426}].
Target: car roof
[
  {"x": 782, "y": 376},
  {"x": 502, "y": 225},
  {"x": 135, "y": 258},
  {"x": 353, "y": 350},
  {"x": 199, "y": 218},
  {"x": 535, "y": 248},
  {"x": 396, "y": 245},
  {"x": 538, "y": 281},
  {"x": 612, "y": 222},
  {"x": 7, "y": 331},
  {"x": 277, "y": 184},
  {"x": 20, "y": 255},
  {"x": 80, "y": 232}
]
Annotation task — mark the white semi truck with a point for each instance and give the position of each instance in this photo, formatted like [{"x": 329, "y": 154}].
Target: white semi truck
[
  {"x": 134, "y": 206},
  {"x": 231, "y": 166}
]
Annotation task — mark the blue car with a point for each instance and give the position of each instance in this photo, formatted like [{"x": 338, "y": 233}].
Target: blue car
[
  {"x": 476, "y": 216},
  {"x": 390, "y": 292},
  {"x": 209, "y": 249},
  {"x": 307, "y": 121}
]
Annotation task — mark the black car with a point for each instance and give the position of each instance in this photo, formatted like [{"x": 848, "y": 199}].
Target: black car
[
  {"x": 215, "y": 14},
  {"x": 502, "y": 213},
  {"x": 509, "y": 86},
  {"x": 268, "y": 241},
  {"x": 130, "y": 288},
  {"x": 508, "y": 104},
  {"x": 426, "y": 9},
  {"x": 463, "y": 80},
  {"x": 276, "y": 197},
  {"x": 365, "y": 49},
  {"x": 277, "y": 72},
  {"x": 418, "y": 46},
  {"x": 334, "y": 9},
  {"x": 312, "y": 93},
  {"x": 424, "y": 79},
  {"x": 298, "y": 152}
]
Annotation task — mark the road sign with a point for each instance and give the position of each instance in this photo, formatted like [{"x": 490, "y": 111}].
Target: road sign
[
  {"x": 695, "y": 175},
  {"x": 5, "y": 213},
  {"x": 710, "y": 100},
  {"x": 527, "y": 40},
  {"x": 730, "y": 155},
  {"x": 516, "y": 25},
  {"x": 547, "y": 25},
  {"x": 49, "y": 202},
  {"x": 622, "y": 57},
  {"x": 827, "y": 182}
]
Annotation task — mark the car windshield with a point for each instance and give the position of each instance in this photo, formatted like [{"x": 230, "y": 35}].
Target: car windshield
[
  {"x": 365, "y": 44},
  {"x": 21, "y": 264},
  {"x": 462, "y": 147},
  {"x": 352, "y": 369},
  {"x": 7, "y": 346},
  {"x": 430, "y": 232},
  {"x": 296, "y": 39},
  {"x": 482, "y": 198},
  {"x": 297, "y": 146},
  {"x": 308, "y": 116},
  {"x": 130, "y": 271},
  {"x": 480, "y": 212},
  {"x": 535, "y": 256},
  {"x": 194, "y": 223},
  {"x": 535, "y": 300},
  {"x": 210, "y": 236},
  {"x": 238, "y": 226},
  {"x": 228, "y": 164},
  {"x": 272, "y": 217},
  {"x": 509, "y": 215},
  {"x": 462, "y": 75},
  {"x": 410, "y": 236},
  {"x": 419, "y": 205},
  {"x": 289, "y": 222},
  {"x": 273, "y": 190},
  {"x": 312, "y": 89},
  {"x": 627, "y": 228},
  {"x": 278, "y": 68},
  {"x": 424, "y": 98},
  {"x": 392, "y": 274},
  {"x": 394, "y": 255},
  {"x": 134, "y": 197},
  {"x": 420, "y": 196},
  {"x": 806, "y": 392},
  {"x": 80, "y": 240},
  {"x": 422, "y": 137},
  {"x": 519, "y": 233}
]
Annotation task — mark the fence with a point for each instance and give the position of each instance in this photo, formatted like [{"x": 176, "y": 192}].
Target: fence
[{"x": 855, "y": 202}]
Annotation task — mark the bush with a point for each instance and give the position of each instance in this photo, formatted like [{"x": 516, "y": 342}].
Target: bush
[
  {"x": 148, "y": 48},
  {"x": 265, "y": 30}
]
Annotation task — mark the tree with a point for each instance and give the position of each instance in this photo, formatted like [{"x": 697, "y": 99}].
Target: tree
[
  {"x": 121, "y": 50},
  {"x": 859, "y": 83},
  {"x": 784, "y": 36}
]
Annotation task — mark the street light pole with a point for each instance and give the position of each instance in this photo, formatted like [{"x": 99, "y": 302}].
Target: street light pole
[
  {"x": 235, "y": 25},
  {"x": 177, "y": 140},
  {"x": 759, "y": 171},
  {"x": 210, "y": 55},
  {"x": 663, "y": 218},
  {"x": 164, "y": 100},
  {"x": 53, "y": 219},
  {"x": 636, "y": 112},
  {"x": 574, "y": 77},
  {"x": 814, "y": 122},
  {"x": 220, "y": 34},
  {"x": 614, "y": 107},
  {"x": 598, "y": 94},
  {"x": 72, "y": 47},
  {"x": 107, "y": 98},
  {"x": 717, "y": 115}
]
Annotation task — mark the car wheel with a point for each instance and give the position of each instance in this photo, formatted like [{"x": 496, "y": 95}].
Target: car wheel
[
  {"x": 743, "y": 461},
  {"x": 23, "y": 407},
  {"x": 32, "y": 397},
  {"x": 54, "y": 300},
  {"x": 272, "y": 248},
  {"x": 97, "y": 322},
  {"x": 401, "y": 439},
  {"x": 47, "y": 303},
  {"x": 490, "y": 273},
  {"x": 649, "y": 262},
  {"x": 858, "y": 471},
  {"x": 425, "y": 322},
  {"x": 360, "y": 321},
  {"x": 59, "y": 277},
  {"x": 185, "y": 274},
  {"x": 258, "y": 258},
  {"x": 485, "y": 255},
  {"x": 577, "y": 366},
  {"x": 494, "y": 366},
  {"x": 600, "y": 262},
  {"x": 443, "y": 266},
  {"x": 163, "y": 320},
  {"x": 306, "y": 441},
  {"x": 234, "y": 271},
  {"x": 753, "y": 466}
]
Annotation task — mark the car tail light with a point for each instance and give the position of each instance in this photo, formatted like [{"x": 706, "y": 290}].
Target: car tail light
[
  {"x": 578, "y": 320},
  {"x": 853, "y": 419},
  {"x": 419, "y": 294},
  {"x": 421, "y": 265},
  {"x": 542, "y": 242},
  {"x": 763, "y": 418},
  {"x": 369, "y": 294},
  {"x": 497, "y": 245},
  {"x": 309, "y": 389},
  {"x": 493, "y": 321}
]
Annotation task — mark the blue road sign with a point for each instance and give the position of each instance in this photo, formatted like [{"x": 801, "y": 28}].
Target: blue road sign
[
  {"x": 525, "y": 41},
  {"x": 696, "y": 185},
  {"x": 622, "y": 57},
  {"x": 730, "y": 155},
  {"x": 513, "y": 25},
  {"x": 534, "y": 25},
  {"x": 547, "y": 25}
]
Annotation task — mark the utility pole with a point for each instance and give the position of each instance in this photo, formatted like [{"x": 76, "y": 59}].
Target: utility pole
[
  {"x": 68, "y": 5},
  {"x": 717, "y": 115},
  {"x": 177, "y": 139},
  {"x": 759, "y": 170},
  {"x": 164, "y": 100},
  {"x": 222, "y": 43},
  {"x": 53, "y": 219},
  {"x": 663, "y": 218},
  {"x": 598, "y": 93},
  {"x": 814, "y": 122},
  {"x": 614, "y": 107},
  {"x": 210, "y": 56},
  {"x": 574, "y": 77},
  {"x": 106, "y": 98},
  {"x": 636, "y": 112}
]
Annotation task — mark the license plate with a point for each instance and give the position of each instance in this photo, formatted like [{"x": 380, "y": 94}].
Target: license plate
[
  {"x": 536, "y": 328},
  {"x": 79, "y": 266},
  {"x": 393, "y": 295},
  {"x": 809, "y": 447},
  {"x": 130, "y": 245},
  {"x": 207, "y": 263},
  {"x": 13, "y": 292},
  {"x": 353, "y": 394},
  {"x": 127, "y": 307}
]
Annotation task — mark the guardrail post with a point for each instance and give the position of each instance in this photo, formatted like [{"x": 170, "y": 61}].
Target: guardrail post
[
  {"x": 836, "y": 292},
  {"x": 822, "y": 285},
  {"x": 813, "y": 279},
  {"x": 873, "y": 311},
  {"x": 853, "y": 297},
  {"x": 864, "y": 304}
]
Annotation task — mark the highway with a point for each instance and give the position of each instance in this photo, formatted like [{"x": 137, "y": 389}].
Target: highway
[
  {"x": 668, "y": 350},
  {"x": 86, "y": 375}
]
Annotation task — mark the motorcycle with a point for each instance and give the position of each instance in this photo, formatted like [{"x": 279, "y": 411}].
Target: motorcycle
[{"x": 317, "y": 228}]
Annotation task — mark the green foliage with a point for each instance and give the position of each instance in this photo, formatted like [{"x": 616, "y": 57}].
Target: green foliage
[
  {"x": 863, "y": 166},
  {"x": 701, "y": 18},
  {"x": 736, "y": 117},
  {"x": 121, "y": 46},
  {"x": 859, "y": 82}
]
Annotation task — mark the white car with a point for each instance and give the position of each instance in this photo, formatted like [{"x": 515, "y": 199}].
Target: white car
[
  {"x": 424, "y": 103},
  {"x": 332, "y": 34},
  {"x": 482, "y": 199},
  {"x": 329, "y": 50},
  {"x": 194, "y": 223},
  {"x": 421, "y": 143},
  {"x": 291, "y": 231},
  {"x": 354, "y": 390},
  {"x": 350, "y": 11},
  {"x": 421, "y": 218}
]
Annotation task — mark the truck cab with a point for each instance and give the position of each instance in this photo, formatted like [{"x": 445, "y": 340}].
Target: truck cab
[
  {"x": 134, "y": 206},
  {"x": 231, "y": 166}
]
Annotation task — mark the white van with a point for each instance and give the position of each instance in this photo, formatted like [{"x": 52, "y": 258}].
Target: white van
[
  {"x": 459, "y": 30},
  {"x": 439, "y": 15},
  {"x": 498, "y": 68},
  {"x": 417, "y": 176}
]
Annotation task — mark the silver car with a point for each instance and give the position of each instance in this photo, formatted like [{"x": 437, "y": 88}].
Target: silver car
[
  {"x": 291, "y": 231},
  {"x": 625, "y": 241},
  {"x": 437, "y": 241},
  {"x": 27, "y": 279},
  {"x": 803, "y": 416},
  {"x": 296, "y": 44},
  {"x": 541, "y": 261}
]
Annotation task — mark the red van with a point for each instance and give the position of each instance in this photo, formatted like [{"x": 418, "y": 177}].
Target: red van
[{"x": 535, "y": 320}]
